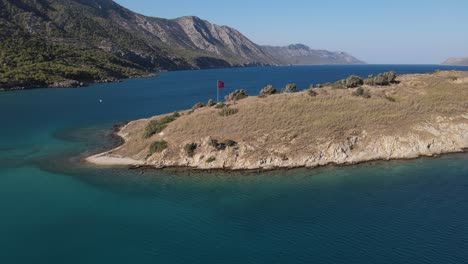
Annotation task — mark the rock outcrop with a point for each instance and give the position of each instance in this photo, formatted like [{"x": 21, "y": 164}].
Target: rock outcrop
[{"x": 444, "y": 135}]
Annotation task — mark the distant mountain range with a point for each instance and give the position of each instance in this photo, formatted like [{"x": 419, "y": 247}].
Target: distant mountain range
[
  {"x": 73, "y": 42},
  {"x": 456, "y": 61},
  {"x": 299, "y": 54}
]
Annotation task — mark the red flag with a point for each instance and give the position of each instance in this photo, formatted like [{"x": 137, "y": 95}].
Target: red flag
[{"x": 220, "y": 84}]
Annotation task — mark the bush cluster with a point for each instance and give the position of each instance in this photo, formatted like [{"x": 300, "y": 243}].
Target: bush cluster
[
  {"x": 237, "y": 95},
  {"x": 190, "y": 149},
  {"x": 157, "y": 147},
  {"x": 222, "y": 145},
  {"x": 290, "y": 88},
  {"x": 228, "y": 111},
  {"x": 157, "y": 126},
  {"x": 383, "y": 79},
  {"x": 268, "y": 90},
  {"x": 353, "y": 81},
  {"x": 361, "y": 92}
]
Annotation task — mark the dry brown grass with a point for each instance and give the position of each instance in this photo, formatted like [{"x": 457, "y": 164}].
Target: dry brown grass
[{"x": 301, "y": 121}]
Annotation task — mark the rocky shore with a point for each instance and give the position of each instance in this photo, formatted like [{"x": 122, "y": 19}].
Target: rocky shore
[{"x": 427, "y": 115}]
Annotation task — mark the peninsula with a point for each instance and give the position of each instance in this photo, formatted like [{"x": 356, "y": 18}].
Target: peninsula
[
  {"x": 72, "y": 43},
  {"x": 353, "y": 120}
]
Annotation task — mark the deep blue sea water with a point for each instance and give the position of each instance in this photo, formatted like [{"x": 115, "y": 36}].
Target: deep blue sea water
[{"x": 55, "y": 209}]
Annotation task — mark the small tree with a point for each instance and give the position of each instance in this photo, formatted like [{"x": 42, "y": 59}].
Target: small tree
[
  {"x": 237, "y": 95},
  {"x": 353, "y": 81},
  {"x": 290, "y": 88},
  {"x": 386, "y": 78},
  {"x": 370, "y": 80},
  {"x": 268, "y": 90}
]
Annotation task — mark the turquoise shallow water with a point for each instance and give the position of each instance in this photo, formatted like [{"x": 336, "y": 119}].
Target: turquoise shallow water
[{"x": 55, "y": 209}]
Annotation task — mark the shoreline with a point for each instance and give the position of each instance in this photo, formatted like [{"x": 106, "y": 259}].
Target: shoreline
[
  {"x": 102, "y": 159},
  {"x": 73, "y": 84},
  {"x": 81, "y": 84}
]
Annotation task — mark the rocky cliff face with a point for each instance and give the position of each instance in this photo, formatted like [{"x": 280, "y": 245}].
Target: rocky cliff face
[
  {"x": 299, "y": 54},
  {"x": 121, "y": 43},
  {"x": 196, "y": 34},
  {"x": 444, "y": 135},
  {"x": 456, "y": 61}
]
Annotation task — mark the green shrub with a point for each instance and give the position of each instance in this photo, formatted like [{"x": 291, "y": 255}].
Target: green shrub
[
  {"x": 383, "y": 79},
  {"x": 370, "y": 80},
  {"x": 210, "y": 159},
  {"x": 312, "y": 93},
  {"x": 353, "y": 81},
  {"x": 227, "y": 111},
  {"x": 268, "y": 90},
  {"x": 319, "y": 85},
  {"x": 157, "y": 147},
  {"x": 198, "y": 105},
  {"x": 190, "y": 149},
  {"x": 290, "y": 88},
  {"x": 157, "y": 126},
  {"x": 237, "y": 95},
  {"x": 361, "y": 92}
]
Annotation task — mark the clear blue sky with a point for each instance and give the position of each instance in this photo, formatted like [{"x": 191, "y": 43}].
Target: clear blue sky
[{"x": 398, "y": 31}]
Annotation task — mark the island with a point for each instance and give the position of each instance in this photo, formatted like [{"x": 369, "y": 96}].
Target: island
[
  {"x": 350, "y": 121},
  {"x": 456, "y": 62}
]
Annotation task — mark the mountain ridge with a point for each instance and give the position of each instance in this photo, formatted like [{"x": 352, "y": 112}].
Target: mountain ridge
[
  {"x": 300, "y": 54},
  {"x": 74, "y": 42}
]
